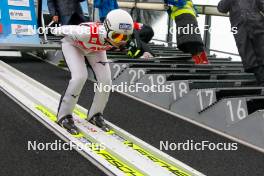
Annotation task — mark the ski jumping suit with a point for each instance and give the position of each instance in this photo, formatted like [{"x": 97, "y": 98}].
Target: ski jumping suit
[{"x": 86, "y": 40}]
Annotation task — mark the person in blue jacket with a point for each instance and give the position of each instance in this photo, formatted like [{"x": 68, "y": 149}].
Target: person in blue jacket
[
  {"x": 105, "y": 6},
  {"x": 184, "y": 14}
]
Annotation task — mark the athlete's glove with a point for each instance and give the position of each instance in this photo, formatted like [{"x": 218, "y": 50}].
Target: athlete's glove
[{"x": 147, "y": 55}]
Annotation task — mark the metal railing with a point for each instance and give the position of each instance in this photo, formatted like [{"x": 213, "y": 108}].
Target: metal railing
[
  {"x": 208, "y": 10},
  {"x": 202, "y": 9},
  {"x": 174, "y": 44}
]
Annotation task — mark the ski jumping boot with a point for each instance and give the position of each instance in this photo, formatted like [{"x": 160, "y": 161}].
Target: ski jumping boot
[
  {"x": 68, "y": 123},
  {"x": 200, "y": 58},
  {"x": 98, "y": 120}
]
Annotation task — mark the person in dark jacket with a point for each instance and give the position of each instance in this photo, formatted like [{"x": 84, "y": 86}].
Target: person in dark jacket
[
  {"x": 248, "y": 20},
  {"x": 260, "y": 4},
  {"x": 138, "y": 44},
  {"x": 67, "y": 12},
  {"x": 105, "y": 6},
  {"x": 184, "y": 14}
]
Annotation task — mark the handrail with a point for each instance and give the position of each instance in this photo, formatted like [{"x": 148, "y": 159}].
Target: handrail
[
  {"x": 224, "y": 52},
  {"x": 202, "y": 9},
  {"x": 214, "y": 50},
  {"x": 164, "y": 41}
]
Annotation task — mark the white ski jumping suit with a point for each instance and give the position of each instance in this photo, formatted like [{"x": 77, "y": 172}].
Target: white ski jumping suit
[{"x": 86, "y": 40}]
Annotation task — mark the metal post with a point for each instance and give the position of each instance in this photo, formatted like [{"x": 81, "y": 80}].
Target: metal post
[
  {"x": 207, "y": 35},
  {"x": 90, "y": 10},
  {"x": 44, "y": 28},
  {"x": 39, "y": 12},
  {"x": 169, "y": 35},
  {"x": 138, "y": 12}
]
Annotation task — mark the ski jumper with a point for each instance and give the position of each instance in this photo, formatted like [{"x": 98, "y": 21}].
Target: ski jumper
[{"x": 86, "y": 40}]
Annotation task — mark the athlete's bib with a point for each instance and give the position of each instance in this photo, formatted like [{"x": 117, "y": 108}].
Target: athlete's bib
[{"x": 95, "y": 39}]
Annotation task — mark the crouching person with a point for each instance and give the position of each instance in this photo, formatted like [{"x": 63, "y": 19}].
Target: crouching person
[
  {"x": 90, "y": 40},
  {"x": 138, "y": 44}
]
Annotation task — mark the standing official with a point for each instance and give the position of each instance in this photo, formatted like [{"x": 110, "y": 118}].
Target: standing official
[
  {"x": 67, "y": 12},
  {"x": 105, "y": 6},
  {"x": 247, "y": 16}
]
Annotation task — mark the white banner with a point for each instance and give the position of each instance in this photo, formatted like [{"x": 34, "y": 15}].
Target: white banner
[
  {"x": 18, "y": 29},
  {"x": 20, "y": 15},
  {"x": 24, "y": 3}
]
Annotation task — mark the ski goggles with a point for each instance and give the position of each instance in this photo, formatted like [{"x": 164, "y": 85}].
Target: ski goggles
[{"x": 117, "y": 37}]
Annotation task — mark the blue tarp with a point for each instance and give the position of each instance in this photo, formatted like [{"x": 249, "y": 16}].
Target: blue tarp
[{"x": 18, "y": 19}]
